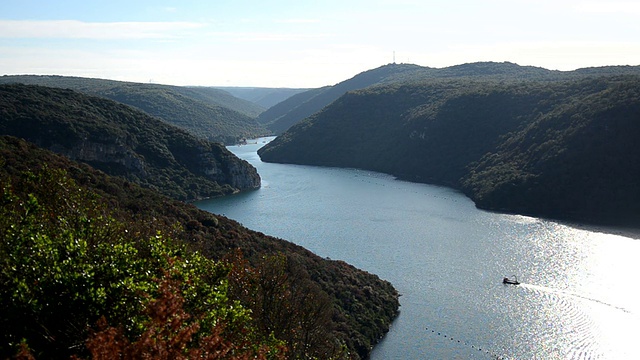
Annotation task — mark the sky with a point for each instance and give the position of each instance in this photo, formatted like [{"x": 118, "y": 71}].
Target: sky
[{"x": 305, "y": 44}]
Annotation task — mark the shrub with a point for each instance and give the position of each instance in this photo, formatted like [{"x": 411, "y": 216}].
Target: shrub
[{"x": 66, "y": 263}]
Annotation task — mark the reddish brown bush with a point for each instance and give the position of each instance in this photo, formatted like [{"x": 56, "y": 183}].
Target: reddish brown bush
[{"x": 170, "y": 335}]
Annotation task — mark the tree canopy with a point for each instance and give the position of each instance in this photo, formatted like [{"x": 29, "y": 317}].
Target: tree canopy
[{"x": 562, "y": 148}]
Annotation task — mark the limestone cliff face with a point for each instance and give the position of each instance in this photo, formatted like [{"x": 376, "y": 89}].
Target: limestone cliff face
[
  {"x": 243, "y": 176},
  {"x": 225, "y": 169},
  {"x": 233, "y": 171},
  {"x": 211, "y": 161},
  {"x": 92, "y": 152}
]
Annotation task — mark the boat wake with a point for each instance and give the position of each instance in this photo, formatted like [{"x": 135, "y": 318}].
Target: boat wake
[
  {"x": 582, "y": 332},
  {"x": 572, "y": 295}
]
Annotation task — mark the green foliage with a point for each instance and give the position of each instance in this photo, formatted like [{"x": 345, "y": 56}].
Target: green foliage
[
  {"x": 185, "y": 108},
  {"x": 66, "y": 262},
  {"x": 295, "y": 109},
  {"x": 578, "y": 160},
  {"x": 169, "y": 333},
  {"x": 286, "y": 303},
  {"x": 562, "y": 148},
  {"x": 204, "y": 112},
  {"x": 123, "y": 141},
  {"x": 300, "y": 106},
  {"x": 142, "y": 213}
]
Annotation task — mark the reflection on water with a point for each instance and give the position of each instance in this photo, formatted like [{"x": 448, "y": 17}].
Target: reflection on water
[{"x": 576, "y": 301}]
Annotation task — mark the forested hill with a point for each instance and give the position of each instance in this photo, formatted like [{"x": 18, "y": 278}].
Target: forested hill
[
  {"x": 206, "y": 112},
  {"x": 281, "y": 116},
  {"x": 78, "y": 245},
  {"x": 296, "y": 108},
  {"x": 563, "y": 149},
  {"x": 123, "y": 141}
]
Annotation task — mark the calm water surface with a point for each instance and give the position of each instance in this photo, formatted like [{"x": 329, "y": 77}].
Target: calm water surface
[{"x": 578, "y": 298}]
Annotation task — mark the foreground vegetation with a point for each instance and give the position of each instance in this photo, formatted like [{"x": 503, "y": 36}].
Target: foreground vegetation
[
  {"x": 563, "y": 149},
  {"x": 73, "y": 276},
  {"x": 93, "y": 265}
]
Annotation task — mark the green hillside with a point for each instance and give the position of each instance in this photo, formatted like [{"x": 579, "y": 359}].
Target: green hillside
[
  {"x": 579, "y": 160},
  {"x": 166, "y": 278},
  {"x": 561, "y": 148},
  {"x": 289, "y": 112},
  {"x": 208, "y": 113},
  {"x": 123, "y": 141}
]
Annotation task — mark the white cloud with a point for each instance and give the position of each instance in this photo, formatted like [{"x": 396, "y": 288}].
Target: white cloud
[
  {"x": 610, "y": 7},
  {"x": 72, "y": 29},
  {"x": 298, "y": 21},
  {"x": 267, "y": 36}
]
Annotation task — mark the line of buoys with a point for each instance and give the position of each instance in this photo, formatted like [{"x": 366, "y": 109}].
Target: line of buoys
[{"x": 491, "y": 354}]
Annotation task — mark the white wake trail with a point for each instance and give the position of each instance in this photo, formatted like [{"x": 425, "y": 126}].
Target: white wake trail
[{"x": 572, "y": 294}]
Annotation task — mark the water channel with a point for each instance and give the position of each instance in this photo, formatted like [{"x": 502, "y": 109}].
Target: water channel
[{"x": 578, "y": 297}]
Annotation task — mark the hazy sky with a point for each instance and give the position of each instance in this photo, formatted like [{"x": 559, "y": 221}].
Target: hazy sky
[{"x": 305, "y": 43}]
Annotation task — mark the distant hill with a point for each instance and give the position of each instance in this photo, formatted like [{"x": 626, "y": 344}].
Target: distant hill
[
  {"x": 208, "y": 113},
  {"x": 283, "y": 115},
  {"x": 562, "y": 148},
  {"x": 289, "y": 112},
  {"x": 265, "y": 97},
  {"x": 123, "y": 141},
  {"x": 324, "y": 306},
  {"x": 221, "y": 98}
]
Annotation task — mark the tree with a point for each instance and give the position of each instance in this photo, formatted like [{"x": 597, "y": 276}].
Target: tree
[
  {"x": 286, "y": 303},
  {"x": 66, "y": 264}
]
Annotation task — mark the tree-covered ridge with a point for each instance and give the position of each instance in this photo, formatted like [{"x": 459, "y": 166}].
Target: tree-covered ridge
[
  {"x": 208, "y": 113},
  {"x": 562, "y": 148},
  {"x": 578, "y": 160},
  {"x": 93, "y": 241},
  {"x": 123, "y": 141},
  {"x": 289, "y": 112}
]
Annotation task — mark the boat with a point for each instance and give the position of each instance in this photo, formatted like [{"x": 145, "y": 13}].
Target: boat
[{"x": 509, "y": 281}]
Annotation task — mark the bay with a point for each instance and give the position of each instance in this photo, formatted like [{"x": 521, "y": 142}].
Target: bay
[{"x": 578, "y": 297}]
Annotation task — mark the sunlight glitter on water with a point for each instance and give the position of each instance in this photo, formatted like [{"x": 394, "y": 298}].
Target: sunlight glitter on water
[
  {"x": 578, "y": 295},
  {"x": 589, "y": 285}
]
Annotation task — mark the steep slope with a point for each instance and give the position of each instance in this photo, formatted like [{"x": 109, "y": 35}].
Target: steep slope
[
  {"x": 362, "y": 305},
  {"x": 579, "y": 160},
  {"x": 282, "y": 116},
  {"x": 505, "y": 143},
  {"x": 123, "y": 141},
  {"x": 205, "y": 112},
  {"x": 298, "y": 107}
]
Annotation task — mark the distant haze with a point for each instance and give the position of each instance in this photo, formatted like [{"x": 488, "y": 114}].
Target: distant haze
[{"x": 265, "y": 97}]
